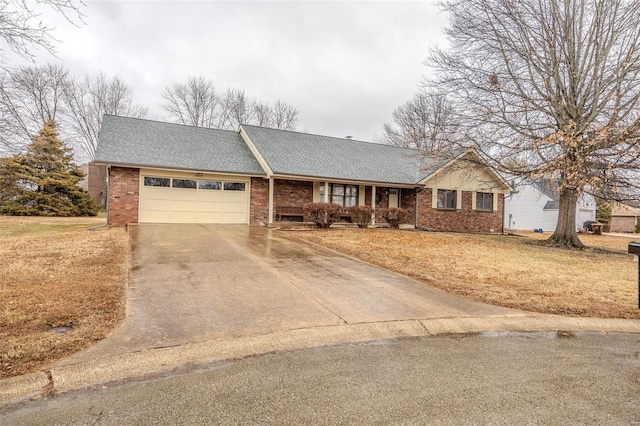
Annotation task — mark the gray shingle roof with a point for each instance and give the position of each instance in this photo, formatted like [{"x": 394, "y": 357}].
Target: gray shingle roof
[
  {"x": 131, "y": 141},
  {"x": 303, "y": 154}
]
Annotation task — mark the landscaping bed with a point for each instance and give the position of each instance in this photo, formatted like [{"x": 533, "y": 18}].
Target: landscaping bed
[
  {"x": 62, "y": 288},
  {"x": 510, "y": 271}
]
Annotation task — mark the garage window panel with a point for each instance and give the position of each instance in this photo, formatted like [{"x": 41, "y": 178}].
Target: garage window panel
[
  {"x": 157, "y": 181},
  {"x": 210, "y": 185},
  {"x": 184, "y": 183},
  {"x": 234, "y": 186}
]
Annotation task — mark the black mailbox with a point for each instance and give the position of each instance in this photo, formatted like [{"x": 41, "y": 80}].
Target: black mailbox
[{"x": 634, "y": 248}]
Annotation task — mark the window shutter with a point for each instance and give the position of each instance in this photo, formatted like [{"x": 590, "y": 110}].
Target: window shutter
[
  {"x": 495, "y": 201},
  {"x": 434, "y": 198},
  {"x": 474, "y": 200},
  {"x": 458, "y": 199}
]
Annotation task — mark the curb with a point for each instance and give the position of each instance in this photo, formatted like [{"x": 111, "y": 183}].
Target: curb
[{"x": 85, "y": 375}]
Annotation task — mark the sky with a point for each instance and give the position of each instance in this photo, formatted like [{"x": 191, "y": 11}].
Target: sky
[{"x": 344, "y": 65}]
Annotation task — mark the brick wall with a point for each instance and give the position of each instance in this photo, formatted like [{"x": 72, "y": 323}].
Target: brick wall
[
  {"x": 97, "y": 184},
  {"x": 123, "y": 196},
  {"x": 461, "y": 220},
  {"x": 259, "y": 202},
  {"x": 407, "y": 201},
  {"x": 292, "y": 193}
]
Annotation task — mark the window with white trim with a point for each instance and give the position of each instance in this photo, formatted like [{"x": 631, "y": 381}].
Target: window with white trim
[
  {"x": 447, "y": 199},
  {"x": 484, "y": 201},
  {"x": 342, "y": 194}
]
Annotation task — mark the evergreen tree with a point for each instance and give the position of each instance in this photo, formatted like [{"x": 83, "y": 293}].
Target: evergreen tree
[{"x": 44, "y": 180}]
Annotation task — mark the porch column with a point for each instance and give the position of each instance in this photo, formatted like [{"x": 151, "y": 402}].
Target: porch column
[
  {"x": 270, "y": 200},
  {"x": 326, "y": 192},
  {"x": 373, "y": 204}
]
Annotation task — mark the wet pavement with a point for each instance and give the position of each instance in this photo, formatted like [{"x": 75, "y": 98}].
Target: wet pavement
[{"x": 192, "y": 283}]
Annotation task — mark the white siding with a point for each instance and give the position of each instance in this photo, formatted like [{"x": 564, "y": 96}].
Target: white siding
[
  {"x": 526, "y": 208},
  {"x": 550, "y": 220}
]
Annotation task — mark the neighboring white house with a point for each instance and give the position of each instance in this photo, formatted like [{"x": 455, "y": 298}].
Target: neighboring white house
[{"x": 535, "y": 206}]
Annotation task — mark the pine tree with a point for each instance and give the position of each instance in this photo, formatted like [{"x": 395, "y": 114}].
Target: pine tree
[{"x": 43, "y": 181}]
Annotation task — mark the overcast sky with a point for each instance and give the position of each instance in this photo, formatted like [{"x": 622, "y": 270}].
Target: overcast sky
[{"x": 345, "y": 65}]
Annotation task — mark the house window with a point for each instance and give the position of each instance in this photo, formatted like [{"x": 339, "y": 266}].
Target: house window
[
  {"x": 484, "y": 201},
  {"x": 209, "y": 184},
  {"x": 447, "y": 199},
  {"x": 234, "y": 186},
  {"x": 184, "y": 183},
  {"x": 157, "y": 181},
  {"x": 344, "y": 195}
]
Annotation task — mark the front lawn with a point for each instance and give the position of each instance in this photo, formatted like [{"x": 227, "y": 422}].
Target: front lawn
[
  {"x": 511, "y": 271},
  {"x": 57, "y": 276}
]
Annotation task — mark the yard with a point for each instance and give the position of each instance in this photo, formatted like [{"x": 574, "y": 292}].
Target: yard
[
  {"x": 511, "y": 271},
  {"x": 61, "y": 286}
]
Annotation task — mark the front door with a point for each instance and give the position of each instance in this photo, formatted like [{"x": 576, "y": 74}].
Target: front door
[{"x": 393, "y": 198}]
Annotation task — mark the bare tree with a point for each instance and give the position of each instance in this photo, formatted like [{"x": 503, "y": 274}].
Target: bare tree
[
  {"x": 264, "y": 114},
  {"x": 285, "y": 117},
  {"x": 237, "y": 109},
  {"x": 194, "y": 103},
  {"x": 552, "y": 87},
  {"x": 426, "y": 123},
  {"x": 21, "y": 26},
  {"x": 30, "y": 96},
  {"x": 88, "y": 100},
  {"x": 197, "y": 103}
]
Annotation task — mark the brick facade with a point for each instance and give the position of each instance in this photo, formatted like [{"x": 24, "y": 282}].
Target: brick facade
[
  {"x": 407, "y": 201},
  {"x": 124, "y": 196},
  {"x": 292, "y": 193},
  {"x": 124, "y": 203},
  {"x": 97, "y": 184},
  {"x": 464, "y": 219},
  {"x": 259, "y": 201}
]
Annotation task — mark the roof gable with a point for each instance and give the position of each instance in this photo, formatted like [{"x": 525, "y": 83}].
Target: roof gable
[{"x": 138, "y": 142}]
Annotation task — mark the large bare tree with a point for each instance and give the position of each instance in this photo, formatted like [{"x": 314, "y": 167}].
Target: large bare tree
[
  {"x": 198, "y": 103},
  {"x": 195, "y": 103},
  {"x": 553, "y": 88},
  {"x": 22, "y": 28},
  {"x": 88, "y": 99},
  {"x": 426, "y": 122},
  {"x": 30, "y": 96}
]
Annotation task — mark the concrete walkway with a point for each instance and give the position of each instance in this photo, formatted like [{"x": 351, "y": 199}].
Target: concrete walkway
[{"x": 200, "y": 294}]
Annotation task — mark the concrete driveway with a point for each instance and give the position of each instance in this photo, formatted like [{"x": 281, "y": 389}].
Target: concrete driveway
[{"x": 191, "y": 283}]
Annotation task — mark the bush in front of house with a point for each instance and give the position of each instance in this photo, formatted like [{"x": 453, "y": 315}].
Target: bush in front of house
[
  {"x": 362, "y": 215},
  {"x": 322, "y": 214},
  {"x": 395, "y": 217}
]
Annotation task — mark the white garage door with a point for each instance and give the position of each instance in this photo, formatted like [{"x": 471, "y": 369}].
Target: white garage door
[{"x": 188, "y": 200}]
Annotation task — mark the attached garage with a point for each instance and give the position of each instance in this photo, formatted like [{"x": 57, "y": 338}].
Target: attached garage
[{"x": 206, "y": 198}]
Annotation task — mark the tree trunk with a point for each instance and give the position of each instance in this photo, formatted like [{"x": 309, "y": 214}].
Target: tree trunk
[{"x": 565, "y": 233}]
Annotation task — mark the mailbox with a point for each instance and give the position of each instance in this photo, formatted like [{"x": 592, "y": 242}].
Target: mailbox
[{"x": 634, "y": 248}]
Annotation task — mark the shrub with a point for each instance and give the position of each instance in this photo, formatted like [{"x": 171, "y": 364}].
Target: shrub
[
  {"x": 395, "y": 216},
  {"x": 322, "y": 214},
  {"x": 361, "y": 215}
]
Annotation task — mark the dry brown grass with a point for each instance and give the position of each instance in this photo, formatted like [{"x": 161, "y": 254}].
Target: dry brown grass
[
  {"x": 509, "y": 271},
  {"x": 57, "y": 273}
]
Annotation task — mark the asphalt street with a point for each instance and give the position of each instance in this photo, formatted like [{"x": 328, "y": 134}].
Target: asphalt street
[{"x": 488, "y": 378}]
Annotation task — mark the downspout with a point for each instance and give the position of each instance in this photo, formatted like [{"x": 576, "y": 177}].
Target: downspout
[
  {"x": 416, "y": 218},
  {"x": 106, "y": 224}
]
